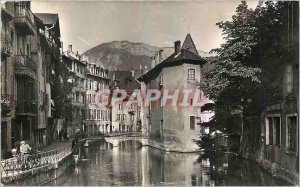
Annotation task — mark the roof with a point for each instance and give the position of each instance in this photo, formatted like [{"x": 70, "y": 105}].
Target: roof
[
  {"x": 189, "y": 44},
  {"x": 49, "y": 19},
  {"x": 187, "y": 54},
  {"x": 124, "y": 79},
  {"x": 73, "y": 58}
]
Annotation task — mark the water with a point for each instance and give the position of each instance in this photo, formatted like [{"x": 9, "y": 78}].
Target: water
[{"x": 132, "y": 164}]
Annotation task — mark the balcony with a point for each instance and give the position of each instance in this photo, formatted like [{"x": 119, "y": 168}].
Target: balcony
[
  {"x": 26, "y": 107},
  {"x": 7, "y": 104},
  {"x": 89, "y": 72},
  {"x": 25, "y": 66},
  {"x": 6, "y": 48},
  {"x": 24, "y": 18}
]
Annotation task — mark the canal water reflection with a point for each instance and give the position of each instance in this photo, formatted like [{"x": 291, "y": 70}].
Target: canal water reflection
[{"x": 132, "y": 164}]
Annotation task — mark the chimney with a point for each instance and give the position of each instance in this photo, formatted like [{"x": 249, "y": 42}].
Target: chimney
[
  {"x": 132, "y": 73},
  {"x": 177, "y": 47},
  {"x": 160, "y": 55},
  {"x": 62, "y": 47},
  {"x": 156, "y": 59},
  {"x": 153, "y": 61},
  {"x": 69, "y": 48}
]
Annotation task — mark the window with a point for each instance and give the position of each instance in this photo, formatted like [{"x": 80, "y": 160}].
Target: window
[
  {"x": 273, "y": 131},
  {"x": 124, "y": 116},
  {"x": 191, "y": 74},
  {"x": 291, "y": 131},
  {"x": 289, "y": 78},
  {"x": 192, "y": 122}
]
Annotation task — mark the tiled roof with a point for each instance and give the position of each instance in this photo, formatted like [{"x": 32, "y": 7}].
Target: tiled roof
[
  {"x": 187, "y": 54},
  {"x": 124, "y": 79},
  {"x": 188, "y": 44}
]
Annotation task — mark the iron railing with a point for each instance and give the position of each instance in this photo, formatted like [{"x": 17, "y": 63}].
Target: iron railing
[
  {"x": 6, "y": 46},
  {"x": 7, "y": 99},
  {"x": 25, "y": 61},
  {"x": 22, "y": 10},
  {"x": 22, "y": 164}
]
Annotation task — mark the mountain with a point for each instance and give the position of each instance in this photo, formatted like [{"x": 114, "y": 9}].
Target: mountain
[{"x": 125, "y": 55}]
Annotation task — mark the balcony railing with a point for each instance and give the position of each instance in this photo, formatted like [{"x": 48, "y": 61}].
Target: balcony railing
[
  {"x": 6, "y": 47},
  {"x": 7, "y": 103},
  {"x": 26, "y": 107},
  {"x": 89, "y": 72},
  {"x": 24, "y": 17},
  {"x": 23, "y": 61}
]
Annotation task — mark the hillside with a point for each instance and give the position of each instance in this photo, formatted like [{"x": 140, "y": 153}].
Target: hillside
[{"x": 125, "y": 55}]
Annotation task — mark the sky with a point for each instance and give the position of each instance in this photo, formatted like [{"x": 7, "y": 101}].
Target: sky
[{"x": 86, "y": 24}]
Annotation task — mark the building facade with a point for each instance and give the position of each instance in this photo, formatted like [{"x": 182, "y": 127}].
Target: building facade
[
  {"x": 280, "y": 131},
  {"x": 26, "y": 48},
  {"x": 88, "y": 80},
  {"x": 126, "y": 115},
  {"x": 98, "y": 118},
  {"x": 174, "y": 127},
  {"x": 8, "y": 81}
]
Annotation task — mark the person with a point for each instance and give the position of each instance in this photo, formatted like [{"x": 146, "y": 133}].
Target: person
[
  {"x": 24, "y": 148},
  {"x": 77, "y": 135},
  {"x": 60, "y": 135},
  {"x": 66, "y": 135}
]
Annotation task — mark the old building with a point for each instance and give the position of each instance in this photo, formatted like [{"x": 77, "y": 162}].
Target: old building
[
  {"x": 25, "y": 74},
  {"x": 97, "y": 116},
  {"x": 7, "y": 77},
  {"x": 77, "y": 109},
  {"x": 30, "y": 47},
  {"x": 174, "y": 127},
  {"x": 280, "y": 130},
  {"x": 49, "y": 56},
  {"x": 126, "y": 116},
  {"x": 88, "y": 79}
]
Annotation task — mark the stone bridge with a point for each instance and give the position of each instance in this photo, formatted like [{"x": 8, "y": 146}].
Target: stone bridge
[{"x": 117, "y": 138}]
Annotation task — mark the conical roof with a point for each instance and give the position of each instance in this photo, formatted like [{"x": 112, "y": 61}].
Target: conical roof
[{"x": 189, "y": 45}]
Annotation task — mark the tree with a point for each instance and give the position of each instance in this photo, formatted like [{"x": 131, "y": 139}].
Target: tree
[
  {"x": 241, "y": 81},
  {"x": 62, "y": 88}
]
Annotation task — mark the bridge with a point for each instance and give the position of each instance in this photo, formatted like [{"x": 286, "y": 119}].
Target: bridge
[{"x": 116, "y": 138}]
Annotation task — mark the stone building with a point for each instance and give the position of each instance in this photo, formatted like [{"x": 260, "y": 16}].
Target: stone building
[
  {"x": 280, "y": 131},
  {"x": 29, "y": 51},
  {"x": 97, "y": 117},
  {"x": 175, "y": 128},
  {"x": 126, "y": 116},
  {"x": 46, "y": 51},
  {"x": 88, "y": 79},
  {"x": 77, "y": 106},
  {"x": 8, "y": 81}
]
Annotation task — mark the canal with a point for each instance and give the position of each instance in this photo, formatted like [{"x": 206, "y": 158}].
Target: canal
[{"x": 133, "y": 164}]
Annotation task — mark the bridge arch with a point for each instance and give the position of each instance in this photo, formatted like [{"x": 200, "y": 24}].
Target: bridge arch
[{"x": 115, "y": 141}]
